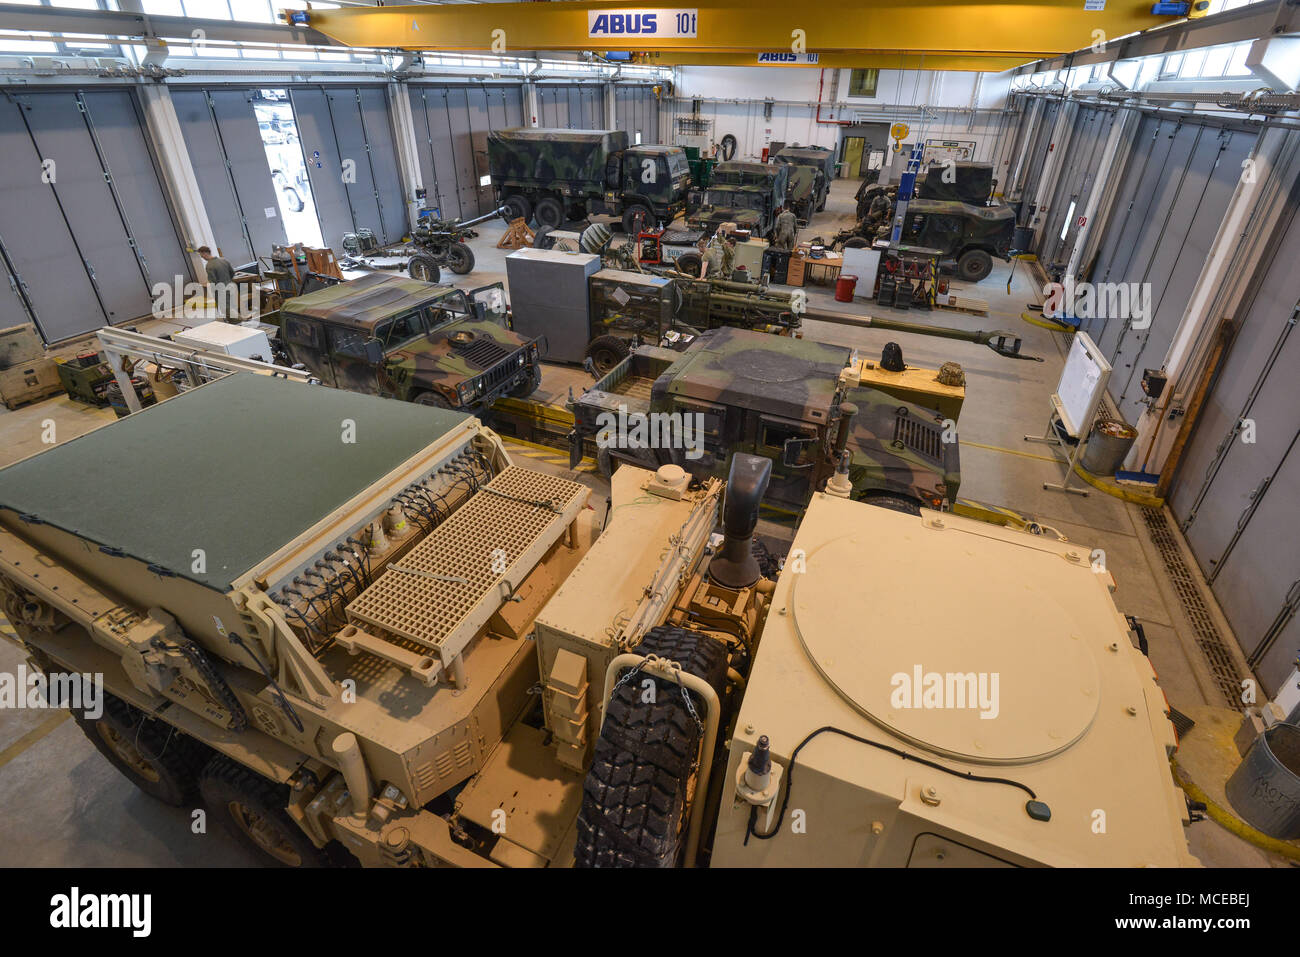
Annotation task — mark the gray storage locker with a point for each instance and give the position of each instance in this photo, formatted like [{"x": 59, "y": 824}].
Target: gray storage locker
[
  {"x": 1236, "y": 500},
  {"x": 549, "y": 299}
]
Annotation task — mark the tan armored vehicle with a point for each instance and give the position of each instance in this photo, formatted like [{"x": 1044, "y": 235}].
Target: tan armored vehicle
[{"x": 353, "y": 626}]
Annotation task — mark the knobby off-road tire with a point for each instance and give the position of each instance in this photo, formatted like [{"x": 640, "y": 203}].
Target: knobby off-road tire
[
  {"x": 634, "y": 801},
  {"x": 253, "y": 809},
  {"x": 161, "y": 761}
]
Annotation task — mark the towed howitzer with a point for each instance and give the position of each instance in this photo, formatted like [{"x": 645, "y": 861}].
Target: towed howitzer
[{"x": 441, "y": 242}]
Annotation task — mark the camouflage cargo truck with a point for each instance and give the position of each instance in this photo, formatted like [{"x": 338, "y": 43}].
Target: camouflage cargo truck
[
  {"x": 405, "y": 339},
  {"x": 746, "y": 194},
  {"x": 811, "y": 170},
  {"x": 782, "y": 399},
  {"x": 566, "y": 174}
]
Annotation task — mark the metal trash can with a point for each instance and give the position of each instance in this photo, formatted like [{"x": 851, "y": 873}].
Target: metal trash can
[
  {"x": 1265, "y": 788},
  {"x": 1107, "y": 446}
]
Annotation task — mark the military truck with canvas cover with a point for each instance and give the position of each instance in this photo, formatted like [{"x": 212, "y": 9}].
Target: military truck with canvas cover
[
  {"x": 787, "y": 400},
  {"x": 558, "y": 175},
  {"x": 811, "y": 170},
  {"x": 406, "y": 339},
  {"x": 408, "y": 651},
  {"x": 746, "y": 194}
]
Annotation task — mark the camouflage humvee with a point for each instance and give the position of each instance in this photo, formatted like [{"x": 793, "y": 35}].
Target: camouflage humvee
[
  {"x": 405, "y": 339},
  {"x": 558, "y": 174},
  {"x": 771, "y": 396},
  {"x": 746, "y": 194},
  {"x": 972, "y": 235},
  {"x": 811, "y": 170}
]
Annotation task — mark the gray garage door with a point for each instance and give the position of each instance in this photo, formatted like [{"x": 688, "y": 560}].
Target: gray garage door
[
  {"x": 85, "y": 229},
  {"x": 1179, "y": 179},
  {"x": 571, "y": 106},
  {"x": 636, "y": 110},
  {"x": 451, "y": 126},
  {"x": 1238, "y": 485},
  {"x": 1037, "y": 158},
  {"x": 347, "y": 141},
  {"x": 229, "y": 160},
  {"x": 1074, "y": 186}
]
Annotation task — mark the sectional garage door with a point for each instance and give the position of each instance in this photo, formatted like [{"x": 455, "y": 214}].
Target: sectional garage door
[
  {"x": 451, "y": 128},
  {"x": 347, "y": 141},
  {"x": 570, "y": 106},
  {"x": 1179, "y": 178},
  {"x": 229, "y": 160},
  {"x": 636, "y": 110},
  {"x": 1238, "y": 484},
  {"x": 1074, "y": 185},
  {"x": 85, "y": 229}
]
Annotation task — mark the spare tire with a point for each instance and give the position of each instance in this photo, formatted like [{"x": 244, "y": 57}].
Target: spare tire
[{"x": 690, "y": 263}]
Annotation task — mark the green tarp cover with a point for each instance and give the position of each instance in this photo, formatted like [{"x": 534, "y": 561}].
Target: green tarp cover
[{"x": 238, "y": 468}]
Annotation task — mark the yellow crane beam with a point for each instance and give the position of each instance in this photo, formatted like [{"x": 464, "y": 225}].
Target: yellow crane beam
[
  {"x": 890, "y": 60},
  {"x": 1017, "y": 27}
]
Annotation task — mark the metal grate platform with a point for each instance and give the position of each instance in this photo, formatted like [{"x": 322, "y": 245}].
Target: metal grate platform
[
  {"x": 1222, "y": 665},
  {"x": 442, "y": 592}
]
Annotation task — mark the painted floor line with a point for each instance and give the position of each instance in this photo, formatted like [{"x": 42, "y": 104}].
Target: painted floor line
[
  {"x": 33, "y": 736},
  {"x": 1024, "y": 455}
]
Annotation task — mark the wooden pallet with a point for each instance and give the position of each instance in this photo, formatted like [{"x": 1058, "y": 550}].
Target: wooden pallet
[
  {"x": 32, "y": 395},
  {"x": 976, "y": 307}
]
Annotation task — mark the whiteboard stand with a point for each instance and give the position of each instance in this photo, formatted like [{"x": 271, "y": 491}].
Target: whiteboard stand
[{"x": 1074, "y": 406}]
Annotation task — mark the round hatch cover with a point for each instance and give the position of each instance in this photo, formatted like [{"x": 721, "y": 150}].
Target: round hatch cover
[{"x": 973, "y": 666}]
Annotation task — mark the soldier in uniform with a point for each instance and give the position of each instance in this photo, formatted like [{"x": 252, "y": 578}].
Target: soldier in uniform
[
  {"x": 880, "y": 213},
  {"x": 786, "y": 230},
  {"x": 720, "y": 254}
]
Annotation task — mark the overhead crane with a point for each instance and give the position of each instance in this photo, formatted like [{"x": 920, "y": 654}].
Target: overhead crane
[{"x": 1019, "y": 29}]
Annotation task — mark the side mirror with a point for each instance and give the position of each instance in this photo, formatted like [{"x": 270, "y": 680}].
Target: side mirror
[{"x": 374, "y": 351}]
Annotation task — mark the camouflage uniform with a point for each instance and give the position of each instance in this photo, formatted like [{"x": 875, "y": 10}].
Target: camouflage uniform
[
  {"x": 786, "y": 232},
  {"x": 720, "y": 257}
]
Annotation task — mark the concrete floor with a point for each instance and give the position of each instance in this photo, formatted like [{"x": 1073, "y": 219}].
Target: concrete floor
[{"x": 77, "y": 810}]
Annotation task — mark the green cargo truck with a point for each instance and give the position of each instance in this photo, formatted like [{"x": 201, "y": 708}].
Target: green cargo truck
[{"x": 559, "y": 175}]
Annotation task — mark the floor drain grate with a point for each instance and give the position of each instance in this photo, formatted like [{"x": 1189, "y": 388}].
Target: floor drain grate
[{"x": 1208, "y": 639}]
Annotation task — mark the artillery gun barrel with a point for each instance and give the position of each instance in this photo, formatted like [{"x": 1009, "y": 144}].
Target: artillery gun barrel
[
  {"x": 1001, "y": 341},
  {"x": 484, "y": 218}
]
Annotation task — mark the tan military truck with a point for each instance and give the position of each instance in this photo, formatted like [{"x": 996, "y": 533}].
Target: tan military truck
[{"x": 407, "y": 649}]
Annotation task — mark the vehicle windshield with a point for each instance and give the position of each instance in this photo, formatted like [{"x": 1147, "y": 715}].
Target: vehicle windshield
[
  {"x": 734, "y": 198},
  {"x": 399, "y": 330},
  {"x": 677, "y": 164}
]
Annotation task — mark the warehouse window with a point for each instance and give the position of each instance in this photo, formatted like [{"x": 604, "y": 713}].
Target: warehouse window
[{"x": 863, "y": 82}]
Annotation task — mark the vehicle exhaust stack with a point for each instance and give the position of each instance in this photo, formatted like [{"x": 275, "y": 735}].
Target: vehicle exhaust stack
[{"x": 735, "y": 565}]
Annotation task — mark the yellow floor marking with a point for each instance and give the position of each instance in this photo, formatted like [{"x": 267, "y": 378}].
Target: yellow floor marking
[
  {"x": 1026, "y": 455},
  {"x": 32, "y": 736}
]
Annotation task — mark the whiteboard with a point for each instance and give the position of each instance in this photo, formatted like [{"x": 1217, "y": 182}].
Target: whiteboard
[{"x": 1082, "y": 381}]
